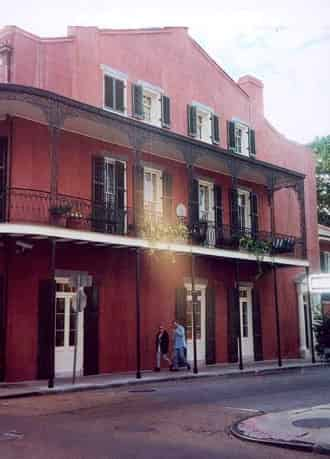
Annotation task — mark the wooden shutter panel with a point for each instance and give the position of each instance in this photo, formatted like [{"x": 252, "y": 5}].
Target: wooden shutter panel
[
  {"x": 2, "y": 328},
  {"x": 98, "y": 211},
  {"x": 181, "y": 306},
  {"x": 192, "y": 120},
  {"x": 215, "y": 129},
  {"x": 218, "y": 214},
  {"x": 210, "y": 326},
  {"x": 257, "y": 329},
  {"x": 3, "y": 176},
  {"x": 234, "y": 210},
  {"x": 231, "y": 140},
  {"x": 108, "y": 91},
  {"x": 46, "y": 328},
  {"x": 91, "y": 331},
  {"x": 119, "y": 90},
  {"x": 233, "y": 324},
  {"x": 137, "y": 100},
  {"x": 166, "y": 111},
  {"x": 252, "y": 143},
  {"x": 254, "y": 214},
  {"x": 120, "y": 197},
  {"x": 194, "y": 203},
  {"x": 167, "y": 196},
  {"x": 139, "y": 190}
]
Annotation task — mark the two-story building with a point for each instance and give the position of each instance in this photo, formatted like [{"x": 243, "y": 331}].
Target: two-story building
[{"x": 104, "y": 132}]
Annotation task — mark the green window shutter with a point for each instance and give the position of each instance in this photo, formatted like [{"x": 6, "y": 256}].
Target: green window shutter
[
  {"x": 91, "y": 331},
  {"x": 167, "y": 196},
  {"x": 109, "y": 96},
  {"x": 139, "y": 190},
  {"x": 218, "y": 214},
  {"x": 119, "y": 91},
  {"x": 234, "y": 210},
  {"x": 192, "y": 120},
  {"x": 215, "y": 129},
  {"x": 46, "y": 328},
  {"x": 98, "y": 205},
  {"x": 166, "y": 111},
  {"x": 233, "y": 324},
  {"x": 252, "y": 142},
  {"x": 257, "y": 328},
  {"x": 181, "y": 306},
  {"x": 231, "y": 140},
  {"x": 210, "y": 325},
  {"x": 137, "y": 101},
  {"x": 120, "y": 197},
  {"x": 254, "y": 214}
]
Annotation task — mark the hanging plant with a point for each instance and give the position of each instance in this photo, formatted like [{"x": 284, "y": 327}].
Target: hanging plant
[
  {"x": 156, "y": 230},
  {"x": 258, "y": 247}
]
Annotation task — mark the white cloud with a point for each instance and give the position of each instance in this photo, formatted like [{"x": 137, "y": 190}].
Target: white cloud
[{"x": 285, "y": 43}]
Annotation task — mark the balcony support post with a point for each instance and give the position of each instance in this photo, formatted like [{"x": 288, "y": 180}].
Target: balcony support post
[
  {"x": 277, "y": 317},
  {"x": 138, "y": 312},
  {"x": 300, "y": 190},
  {"x": 310, "y": 315}
]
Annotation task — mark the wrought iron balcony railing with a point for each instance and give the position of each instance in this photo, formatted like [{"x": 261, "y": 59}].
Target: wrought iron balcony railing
[{"x": 21, "y": 205}]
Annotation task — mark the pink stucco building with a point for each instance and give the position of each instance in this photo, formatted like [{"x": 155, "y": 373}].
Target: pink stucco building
[{"x": 105, "y": 133}]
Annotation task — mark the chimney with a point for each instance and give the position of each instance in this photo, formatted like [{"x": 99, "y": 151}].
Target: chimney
[{"x": 254, "y": 88}]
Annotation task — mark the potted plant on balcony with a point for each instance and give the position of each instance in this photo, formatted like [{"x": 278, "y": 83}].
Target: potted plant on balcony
[
  {"x": 258, "y": 247},
  {"x": 59, "y": 213},
  {"x": 76, "y": 219}
]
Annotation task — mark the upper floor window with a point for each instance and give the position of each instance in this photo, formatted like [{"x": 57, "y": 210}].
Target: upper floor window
[
  {"x": 325, "y": 262},
  {"x": 150, "y": 105},
  {"x": 4, "y": 57},
  {"x": 203, "y": 124},
  {"x": 241, "y": 139},
  {"x": 114, "y": 93},
  {"x": 153, "y": 190}
]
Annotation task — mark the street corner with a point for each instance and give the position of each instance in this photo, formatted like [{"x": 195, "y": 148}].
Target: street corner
[{"x": 306, "y": 429}]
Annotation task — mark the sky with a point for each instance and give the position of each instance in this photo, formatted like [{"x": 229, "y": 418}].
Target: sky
[{"x": 285, "y": 43}]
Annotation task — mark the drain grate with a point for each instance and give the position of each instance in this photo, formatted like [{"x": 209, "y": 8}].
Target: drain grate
[{"x": 11, "y": 435}]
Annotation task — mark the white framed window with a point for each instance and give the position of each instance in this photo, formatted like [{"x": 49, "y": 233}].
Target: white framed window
[
  {"x": 204, "y": 126},
  {"x": 153, "y": 191},
  {"x": 114, "y": 90},
  {"x": 244, "y": 208},
  {"x": 152, "y": 106},
  {"x": 206, "y": 200},
  {"x": 242, "y": 139}
]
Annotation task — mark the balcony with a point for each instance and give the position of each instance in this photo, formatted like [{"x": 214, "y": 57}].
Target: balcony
[{"x": 21, "y": 205}]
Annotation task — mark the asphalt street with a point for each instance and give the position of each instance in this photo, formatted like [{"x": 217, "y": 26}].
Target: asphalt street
[{"x": 186, "y": 419}]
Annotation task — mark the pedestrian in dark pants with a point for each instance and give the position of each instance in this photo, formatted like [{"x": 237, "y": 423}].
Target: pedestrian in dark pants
[{"x": 162, "y": 343}]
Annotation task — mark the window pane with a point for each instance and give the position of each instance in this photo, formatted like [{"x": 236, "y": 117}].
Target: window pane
[
  {"x": 72, "y": 338},
  {"x": 245, "y": 320},
  {"x": 60, "y": 305},
  {"x": 60, "y": 321},
  {"x": 60, "y": 338}
]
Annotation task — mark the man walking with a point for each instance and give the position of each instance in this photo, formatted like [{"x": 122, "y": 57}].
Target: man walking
[{"x": 179, "y": 344}]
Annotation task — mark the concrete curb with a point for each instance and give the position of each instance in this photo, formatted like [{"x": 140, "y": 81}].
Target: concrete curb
[
  {"x": 320, "y": 448},
  {"x": 108, "y": 385}
]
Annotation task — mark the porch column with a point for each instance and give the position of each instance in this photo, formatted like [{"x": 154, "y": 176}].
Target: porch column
[
  {"x": 310, "y": 316},
  {"x": 138, "y": 313},
  {"x": 300, "y": 190},
  {"x": 277, "y": 314},
  {"x": 194, "y": 299},
  {"x": 302, "y": 321}
]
